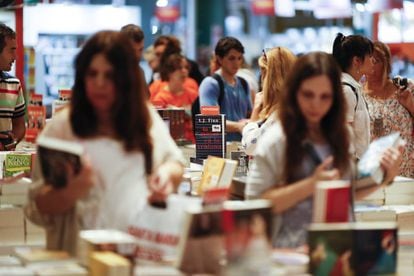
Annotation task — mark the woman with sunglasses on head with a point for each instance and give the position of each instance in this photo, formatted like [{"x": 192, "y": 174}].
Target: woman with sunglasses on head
[
  {"x": 391, "y": 105},
  {"x": 353, "y": 53},
  {"x": 309, "y": 143},
  {"x": 274, "y": 65},
  {"x": 132, "y": 158}
]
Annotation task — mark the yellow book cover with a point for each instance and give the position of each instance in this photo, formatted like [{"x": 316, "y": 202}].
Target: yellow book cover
[
  {"x": 211, "y": 173},
  {"x": 109, "y": 264}
]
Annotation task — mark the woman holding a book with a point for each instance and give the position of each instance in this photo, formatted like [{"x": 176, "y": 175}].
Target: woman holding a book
[
  {"x": 310, "y": 143},
  {"x": 129, "y": 157}
]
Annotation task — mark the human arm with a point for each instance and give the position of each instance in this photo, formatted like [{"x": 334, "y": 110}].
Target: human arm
[
  {"x": 287, "y": 196},
  {"x": 40, "y": 193},
  {"x": 406, "y": 98},
  {"x": 390, "y": 162},
  {"x": 257, "y": 107},
  {"x": 209, "y": 92},
  {"x": 19, "y": 128},
  {"x": 165, "y": 180},
  {"x": 351, "y": 103},
  {"x": 18, "y": 124},
  {"x": 168, "y": 162},
  {"x": 252, "y": 131},
  {"x": 232, "y": 126},
  {"x": 53, "y": 201},
  {"x": 265, "y": 179}
]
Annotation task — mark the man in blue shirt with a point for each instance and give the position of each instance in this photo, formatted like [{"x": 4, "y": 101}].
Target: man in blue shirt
[{"x": 236, "y": 102}]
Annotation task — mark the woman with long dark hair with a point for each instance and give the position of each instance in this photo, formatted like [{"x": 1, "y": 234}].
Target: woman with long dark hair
[
  {"x": 131, "y": 156},
  {"x": 309, "y": 144}
]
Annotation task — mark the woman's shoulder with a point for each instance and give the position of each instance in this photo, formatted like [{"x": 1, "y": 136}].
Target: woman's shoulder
[
  {"x": 59, "y": 125},
  {"x": 273, "y": 137}
]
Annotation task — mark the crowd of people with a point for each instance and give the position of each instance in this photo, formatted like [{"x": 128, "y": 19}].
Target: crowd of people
[{"x": 312, "y": 120}]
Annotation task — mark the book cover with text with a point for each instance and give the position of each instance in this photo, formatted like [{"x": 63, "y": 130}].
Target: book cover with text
[{"x": 210, "y": 135}]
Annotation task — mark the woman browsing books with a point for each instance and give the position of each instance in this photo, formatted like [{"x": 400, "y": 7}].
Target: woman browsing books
[
  {"x": 129, "y": 155},
  {"x": 310, "y": 143}
]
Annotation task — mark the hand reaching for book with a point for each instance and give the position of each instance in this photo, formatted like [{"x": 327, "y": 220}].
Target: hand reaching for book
[
  {"x": 325, "y": 172},
  {"x": 160, "y": 186},
  {"x": 163, "y": 182},
  {"x": 80, "y": 184}
]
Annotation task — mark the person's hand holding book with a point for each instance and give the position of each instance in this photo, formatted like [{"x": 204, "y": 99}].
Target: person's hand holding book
[
  {"x": 79, "y": 184},
  {"x": 390, "y": 162},
  {"x": 163, "y": 182}
]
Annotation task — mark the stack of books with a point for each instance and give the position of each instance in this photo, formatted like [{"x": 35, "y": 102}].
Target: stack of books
[
  {"x": 43, "y": 262},
  {"x": 217, "y": 173},
  {"x": 109, "y": 264},
  {"x": 14, "y": 191},
  {"x": 36, "y": 117},
  {"x": 16, "y": 163},
  {"x": 403, "y": 215},
  {"x": 11, "y": 225},
  {"x": 175, "y": 120},
  {"x": 401, "y": 191},
  {"x": 34, "y": 234},
  {"x": 105, "y": 240}
]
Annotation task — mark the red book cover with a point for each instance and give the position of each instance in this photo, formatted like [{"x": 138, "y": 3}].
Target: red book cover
[
  {"x": 36, "y": 121},
  {"x": 331, "y": 201},
  {"x": 337, "y": 204}
]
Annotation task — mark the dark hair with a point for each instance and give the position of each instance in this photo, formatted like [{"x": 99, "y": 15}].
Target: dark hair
[
  {"x": 134, "y": 32},
  {"x": 172, "y": 46},
  {"x": 171, "y": 63},
  {"x": 131, "y": 117},
  {"x": 225, "y": 44},
  {"x": 333, "y": 125},
  {"x": 5, "y": 32},
  {"x": 347, "y": 47},
  {"x": 170, "y": 42}
]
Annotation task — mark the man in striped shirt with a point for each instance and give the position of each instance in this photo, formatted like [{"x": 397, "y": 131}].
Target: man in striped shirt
[{"x": 12, "y": 103}]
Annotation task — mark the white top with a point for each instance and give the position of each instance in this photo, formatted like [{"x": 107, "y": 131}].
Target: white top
[
  {"x": 252, "y": 132},
  {"x": 290, "y": 227},
  {"x": 359, "y": 118},
  {"x": 121, "y": 189}
]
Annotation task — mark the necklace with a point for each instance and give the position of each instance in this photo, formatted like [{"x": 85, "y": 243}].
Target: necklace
[{"x": 377, "y": 116}]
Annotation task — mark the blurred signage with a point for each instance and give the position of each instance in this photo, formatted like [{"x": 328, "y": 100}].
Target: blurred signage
[
  {"x": 168, "y": 13},
  {"x": 325, "y": 9},
  {"x": 263, "y": 7},
  {"x": 383, "y": 5},
  {"x": 284, "y": 8}
]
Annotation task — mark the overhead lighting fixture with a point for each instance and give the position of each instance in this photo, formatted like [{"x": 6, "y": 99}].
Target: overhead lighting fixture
[{"x": 162, "y": 3}]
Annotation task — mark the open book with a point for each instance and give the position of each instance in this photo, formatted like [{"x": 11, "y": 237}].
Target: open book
[
  {"x": 58, "y": 158},
  {"x": 369, "y": 167}
]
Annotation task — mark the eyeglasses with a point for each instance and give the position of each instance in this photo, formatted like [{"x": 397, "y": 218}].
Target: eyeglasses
[{"x": 264, "y": 51}]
